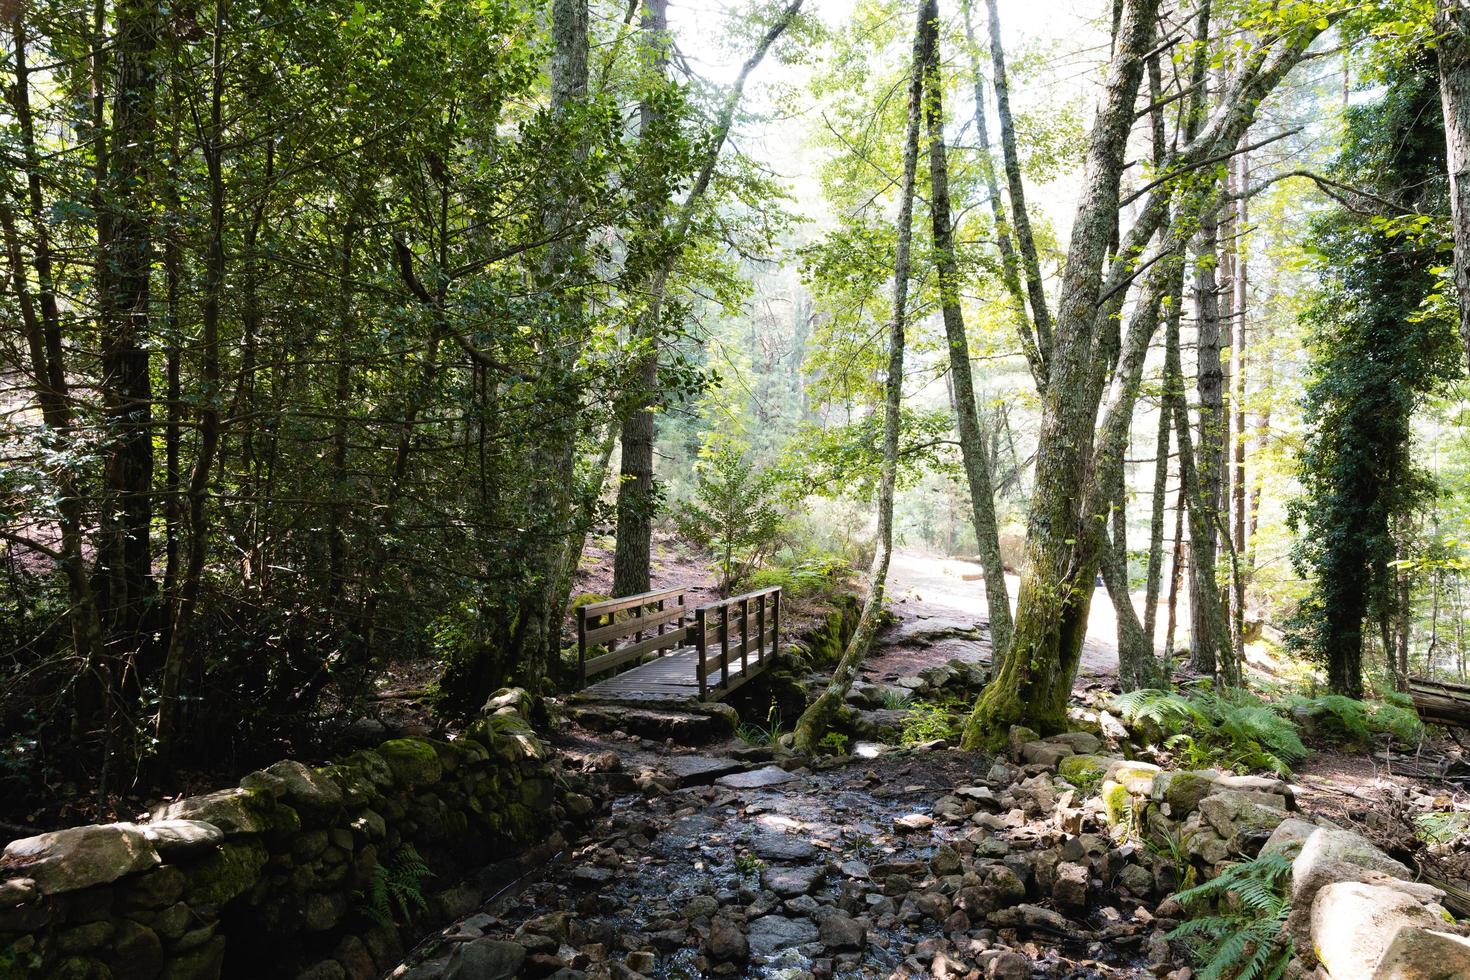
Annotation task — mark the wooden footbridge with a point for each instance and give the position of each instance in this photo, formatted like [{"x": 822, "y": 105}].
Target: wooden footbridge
[{"x": 681, "y": 654}]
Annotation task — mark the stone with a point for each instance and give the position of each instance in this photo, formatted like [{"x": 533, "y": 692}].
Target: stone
[
  {"x": 1289, "y": 836},
  {"x": 180, "y": 838},
  {"x": 201, "y": 963},
  {"x": 1018, "y": 737},
  {"x": 136, "y": 952},
  {"x": 1424, "y": 954},
  {"x": 945, "y": 861},
  {"x": 1045, "y": 753},
  {"x": 982, "y": 795},
  {"x": 323, "y": 970},
  {"x": 17, "y": 891},
  {"x": 1083, "y": 743},
  {"x": 1237, "y": 815},
  {"x": 78, "y": 857},
  {"x": 323, "y": 910},
  {"x": 726, "y": 942},
  {"x": 1330, "y": 855},
  {"x": 1353, "y": 924},
  {"x": 84, "y": 938},
  {"x": 763, "y": 778},
  {"x": 1258, "y": 784},
  {"x": 234, "y": 811},
  {"x": 783, "y": 847},
  {"x": 641, "y": 961},
  {"x": 1083, "y": 770},
  {"x": 1069, "y": 890},
  {"x": 1179, "y": 793},
  {"x": 413, "y": 761},
  {"x": 485, "y": 959},
  {"x": 699, "y": 770},
  {"x": 772, "y": 933},
  {"x": 306, "y": 788},
  {"x": 789, "y": 882},
  {"x": 1008, "y": 965},
  {"x": 228, "y": 872},
  {"x": 837, "y": 930},
  {"x": 1135, "y": 777},
  {"x": 912, "y": 822}
]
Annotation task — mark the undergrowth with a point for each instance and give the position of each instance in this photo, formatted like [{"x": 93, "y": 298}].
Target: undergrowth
[
  {"x": 1236, "y": 933},
  {"x": 396, "y": 887},
  {"x": 926, "y": 721}
]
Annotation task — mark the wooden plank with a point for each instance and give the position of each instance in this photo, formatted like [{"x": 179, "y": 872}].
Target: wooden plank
[
  {"x": 627, "y": 627},
  {"x": 632, "y": 651},
  {"x": 628, "y": 602}
]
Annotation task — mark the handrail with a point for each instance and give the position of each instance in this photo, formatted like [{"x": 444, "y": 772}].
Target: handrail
[
  {"x": 762, "y": 643},
  {"x": 641, "y": 619}
]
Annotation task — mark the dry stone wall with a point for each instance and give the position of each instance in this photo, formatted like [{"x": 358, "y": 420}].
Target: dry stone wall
[{"x": 274, "y": 877}]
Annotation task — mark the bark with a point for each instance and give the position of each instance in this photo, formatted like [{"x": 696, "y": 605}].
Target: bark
[
  {"x": 1210, "y": 463},
  {"x": 179, "y": 659},
  {"x": 973, "y": 449},
  {"x": 1009, "y": 263},
  {"x": 125, "y": 231},
  {"x": 637, "y": 493},
  {"x": 1034, "y": 679},
  {"x": 1040, "y": 314},
  {"x": 1237, "y": 399},
  {"x": 814, "y": 721},
  {"x": 1452, "y": 25}
]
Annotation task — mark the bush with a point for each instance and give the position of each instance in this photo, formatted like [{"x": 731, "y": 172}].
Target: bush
[
  {"x": 926, "y": 721},
  {"x": 1234, "y": 729}
]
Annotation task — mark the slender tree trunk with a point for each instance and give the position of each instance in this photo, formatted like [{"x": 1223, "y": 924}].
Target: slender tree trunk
[
  {"x": 1237, "y": 398},
  {"x": 1209, "y": 382},
  {"x": 1009, "y": 263},
  {"x": 814, "y": 721},
  {"x": 973, "y": 449},
  {"x": 1155, "y": 573},
  {"x": 1033, "y": 681},
  {"x": 1452, "y": 25},
  {"x": 179, "y": 660},
  {"x": 1040, "y": 314}
]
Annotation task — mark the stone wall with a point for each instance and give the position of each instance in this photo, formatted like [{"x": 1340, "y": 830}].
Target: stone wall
[{"x": 271, "y": 878}]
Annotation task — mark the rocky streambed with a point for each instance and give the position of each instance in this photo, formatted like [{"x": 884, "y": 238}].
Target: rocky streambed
[{"x": 742, "y": 862}]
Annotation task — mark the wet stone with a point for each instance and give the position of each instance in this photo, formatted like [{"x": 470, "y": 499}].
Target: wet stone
[
  {"x": 772, "y": 933},
  {"x": 788, "y": 882},
  {"x": 763, "y": 778},
  {"x": 783, "y": 847},
  {"x": 699, "y": 770}
]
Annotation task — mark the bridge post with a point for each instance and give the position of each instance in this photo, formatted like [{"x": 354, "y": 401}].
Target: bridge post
[
  {"x": 581, "y": 647},
  {"x": 700, "y": 628}
]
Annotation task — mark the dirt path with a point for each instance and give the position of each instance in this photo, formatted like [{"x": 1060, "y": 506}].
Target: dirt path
[{"x": 943, "y": 616}]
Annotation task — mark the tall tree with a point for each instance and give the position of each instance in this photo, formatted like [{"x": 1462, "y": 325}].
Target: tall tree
[{"x": 1452, "y": 26}]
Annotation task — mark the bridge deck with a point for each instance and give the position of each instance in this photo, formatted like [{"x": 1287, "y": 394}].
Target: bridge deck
[{"x": 671, "y": 677}]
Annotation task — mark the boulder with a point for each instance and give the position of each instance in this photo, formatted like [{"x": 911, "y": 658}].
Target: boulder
[
  {"x": 1289, "y": 836},
  {"x": 1424, "y": 954},
  {"x": 1083, "y": 770},
  {"x": 726, "y": 943},
  {"x": 485, "y": 959},
  {"x": 413, "y": 761},
  {"x": 1329, "y": 855},
  {"x": 1135, "y": 777},
  {"x": 788, "y": 882},
  {"x": 1178, "y": 793},
  {"x": 839, "y": 931},
  {"x": 1069, "y": 890},
  {"x": 772, "y": 933},
  {"x": 1045, "y": 753},
  {"x": 1353, "y": 925},
  {"x": 180, "y": 838},
  {"x": 234, "y": 811},
  {"x": 1241, "y": 818},
  {"x": 306, "y": 788},
  {"x": 78, "y": 857},
  {"x": 756, "y": 779},
  {"x": 1083, "y": 743}
]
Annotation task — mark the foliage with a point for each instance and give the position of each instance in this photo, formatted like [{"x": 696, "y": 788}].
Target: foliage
[
  {"x": 897, "y": 698},
  {"x": 748, "y": 865},
  {"x": 395, "y": 892},
  {"x": 833, "y": 743},
  {"x": 1356, "y": 722},
  {"x": 1236, "y": 931},
  {"x": 925, "y": 721},
  {"x": 734, "y": 512},
  {"x": 1376, "y": 358},
  {"x": 1233, "y": 728},
  {"x": 752, "y": 733}
]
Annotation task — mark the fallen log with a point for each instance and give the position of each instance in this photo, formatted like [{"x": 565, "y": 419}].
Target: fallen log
[{"x": 1440, "y": 703}]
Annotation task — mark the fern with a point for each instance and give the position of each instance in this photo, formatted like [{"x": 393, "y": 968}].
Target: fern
[
  {"x": 396, "y": 887},
  {"x": 1167, "y": 709},
  {"x": 1238, "y": 936},
  {"x": 1234, "y": 728}
]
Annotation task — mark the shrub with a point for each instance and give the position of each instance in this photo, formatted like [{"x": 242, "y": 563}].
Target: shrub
[
  {"x": 1234, "y": 728},
  {"x": 926, "y": 721}
]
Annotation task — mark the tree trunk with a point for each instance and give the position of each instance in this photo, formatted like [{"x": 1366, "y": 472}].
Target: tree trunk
[
  {"x": 1237, "y": 399},
  {"x": 1032, "y": 682},
  {"x": 814, "y": 721},
  {"x": 1210, "y": 461},
  {"x": 1452, "y": 25},
  {"x": 125, "y": 229},
  {"x": 973, "y": 449}
]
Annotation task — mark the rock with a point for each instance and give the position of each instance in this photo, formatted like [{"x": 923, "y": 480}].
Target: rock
[
  {"x": 234, "y": 811},
  {"x": 1019, "y": 736},
  {"x": 789, "y": 882},
  {"x": 726, "y": 943},
  {"x": 1083, "y": 743},
  {"x": 180, "y": 838},
  {"x": 1008, "y": 965},
  {"x": 641, "y": 961},
  {"x": 1083, "y": 770},
  {"x": 1242, "y": 817},
  {"x": 1353, "y": 925},
  {"x": 323, "y": 970},
  {"x": 912, "y": 822},
  {"x": 983, "y": 795},
  {"x": 771, "y": 933},
  {"x": 78, "y": 857},
  {"x": 944, "y": 861},
  {"x": 306, "y": 788},
  {"x": 763, "y": 778},
  {"x": 17, "y": 891},
  {"x": 1135, "y": 777},
  {"x": 839, "y": 931},
  {"x": 136, "y": 952},
  {"x": 699, "y": 770},
  {"x": 1181, "y": 792},
  {"x": 201, "y": 963},
  {"x": 1289, "y": 836},
  {"x": 511, "y": 700},
  {"x": 413, "y": 761},
  {"x": 1069, "y": 890},
  {"x": 485, "y": 959},
  {"x": 783, "y": 847},
  {"x": 1424, "y": 954},
  {"x": 1137, "y": 879},
  {"x": 1330, "y": 855},
  {"x": 1258, "y": 784},
  {"x": 1045, "y": 753}
]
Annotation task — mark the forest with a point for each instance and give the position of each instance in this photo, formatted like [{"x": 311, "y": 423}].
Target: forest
[{"x": 774, "y": 488}]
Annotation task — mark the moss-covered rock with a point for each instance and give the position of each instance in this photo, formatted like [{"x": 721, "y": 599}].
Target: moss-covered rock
[
  {"x": 78, "y": 857},
  {"x": 1117, "y": 802},
  {"x": 229, "y": 872},
  {"x": 1180, "y": 792},
  {"x": 1136, "y": 777},
  {"x": 413, "y": 761},
  {"x": 1083, "y": 771}
]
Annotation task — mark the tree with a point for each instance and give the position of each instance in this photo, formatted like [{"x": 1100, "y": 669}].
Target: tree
[
  {"x": 1376, "y": 357},
  {"x": 733, "y": 512}
]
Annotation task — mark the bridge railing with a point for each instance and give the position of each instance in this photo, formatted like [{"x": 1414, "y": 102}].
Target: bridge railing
[
  {"x": 659, "y": 614},
  {"x": 722, "y": 634}
]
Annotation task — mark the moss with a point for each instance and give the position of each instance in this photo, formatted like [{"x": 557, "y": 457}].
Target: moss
[
  {"x": 1117, "y": 801},
  {"x": 1182, "y": 791},
  {"x": 413, "y": 761},
  {"x": 1083, "y": 771},
  {"x": 225, "y": 874}
]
